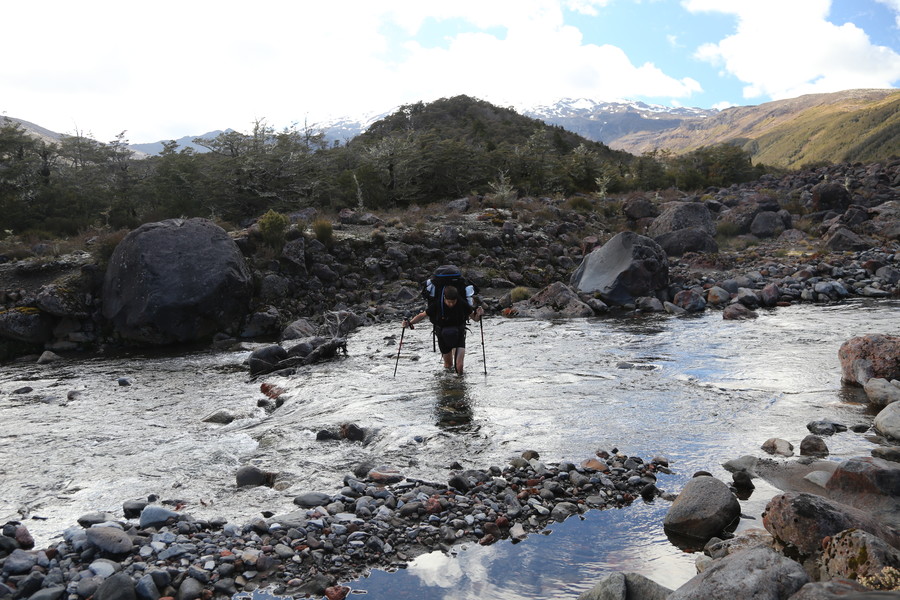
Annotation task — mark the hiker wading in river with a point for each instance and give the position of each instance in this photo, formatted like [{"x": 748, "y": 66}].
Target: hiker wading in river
[{"x": 449, "y": 318}]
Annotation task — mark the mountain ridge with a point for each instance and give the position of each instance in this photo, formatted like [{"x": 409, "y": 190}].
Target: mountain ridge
[{"x": 850, "y": 125}]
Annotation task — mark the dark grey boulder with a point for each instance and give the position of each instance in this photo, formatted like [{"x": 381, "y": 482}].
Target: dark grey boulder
[
  {"x": 691, "y": 239},
  {"x": 759, "y": 573},
  {"x": 176, "y": 281},
  {"x": 251, "y": 475},
  {"x": 49, "y": 593},
  {"x": 62, "y": 301},
  {"x": 19, "y": 562},
  {"x": 626, "y": 586},
  {"x": 839, "y": 589},
  {"x": 868, "y": 483},
  {"x": 639, "y": 208},
  {"x": 312, "y": 499},
  {"x": 829, "y": 195},
  {"x": 813, "y": 445},
  {"x": 26, "y": 324},
  {"x": 627, "y": 267},
  {"x": 841, "y": 238},
  {"x": 266, "y": 359},
  {"x": 767, "y": 224},
  {"x": 155, "y": 516},
  {"x": 555, "y": 300},
  {"x": 689, "y": 300},
  {"x": 300, "y": 328},
  {"x": 110, "y": 539},
  {"x": 825, "y": 427},
  {"x": 703, "y": 509},
  {"x": 118, "y": 587},
  {"x": 683, "y": 215}
]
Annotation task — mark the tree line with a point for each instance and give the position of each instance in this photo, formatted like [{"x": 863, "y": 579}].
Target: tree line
[{"x": 418, "y": 155}]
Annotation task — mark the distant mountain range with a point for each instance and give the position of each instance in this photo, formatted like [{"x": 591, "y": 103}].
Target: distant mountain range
[
  {"x": 608, "y": 122},
  {"x": 153, "y": 148},
  {"x": 848, "y": 126}
]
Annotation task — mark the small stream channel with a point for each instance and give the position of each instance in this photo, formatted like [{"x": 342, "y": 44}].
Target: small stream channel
[{"x": 697, "y": 390}]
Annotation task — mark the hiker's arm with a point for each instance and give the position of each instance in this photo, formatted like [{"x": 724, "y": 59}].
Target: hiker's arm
[
  {"x": 410, "y": 322},
  {"x": 477, "y": 314}
]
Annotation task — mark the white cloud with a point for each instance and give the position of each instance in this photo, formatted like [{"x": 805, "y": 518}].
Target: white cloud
[
  {"x": 166, "y": 69},
  {"x": 785, "y": 49}
]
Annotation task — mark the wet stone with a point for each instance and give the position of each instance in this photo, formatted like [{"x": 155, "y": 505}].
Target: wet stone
[{"x": 367, "y": 524}]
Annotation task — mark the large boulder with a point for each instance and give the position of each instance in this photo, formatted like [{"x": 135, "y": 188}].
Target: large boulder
[
  {"x": 853, "y": 554},
  {"x": 863, "y": 480},
  {"x": 682, "y": 215},
  {"x": 690, "y": 239},
  {"x": 887, "y": 422},
  {"x": 626, "y": 586},
  {"x": 555, "y": 300},
  {"x": 767, "y": 224},
  {"x": 829, "y": 195},
  {"x": 882, "y": 392},
  {"x": 802, "y": 521},
  {"x": 759, "y": 573},
  {"x": 638, "y": 208},
  {"x": 703, "y": 509},
  {"x": 626, "y": 267},
  {"x": 176, "y": 281},
  {"x": 26, "y": 324},
  {"x": 840, "y": 238},
  {"x": 868, "y": 356},
  {"x": 739, "y": 219},
  {"x": 839, "y": 589},
  {"x": 886, "y": 224}
]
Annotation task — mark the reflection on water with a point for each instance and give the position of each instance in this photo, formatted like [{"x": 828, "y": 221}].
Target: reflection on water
[
  {"x": 453, "y": 406},
  {"x": 698, "y": 391}
]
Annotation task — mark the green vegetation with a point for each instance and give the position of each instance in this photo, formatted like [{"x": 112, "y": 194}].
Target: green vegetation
[
  {"x": 273, "y": 227},
  {"x": 324, "y": 231},
  {"x": 519, "y": 293},
  {"x": 422, "y": 154}
]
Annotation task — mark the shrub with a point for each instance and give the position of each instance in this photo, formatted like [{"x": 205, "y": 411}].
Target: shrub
[
  {"x": 106, "y": 243},
  {"x": 519, "y": 293},
  {"x": 502, "y": 191},
  {"x": 272, "y": 227},
  {"x": 324, "y": 231},
  {"x": 727, "y": 229},
  {"x": 579, "y": 203}
]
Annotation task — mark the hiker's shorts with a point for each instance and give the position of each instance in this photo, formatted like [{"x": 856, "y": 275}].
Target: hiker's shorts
[{"x": 450, "y": 338}]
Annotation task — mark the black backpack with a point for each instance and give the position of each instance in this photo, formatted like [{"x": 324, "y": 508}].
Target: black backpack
[{"x": 433, "y": 288}]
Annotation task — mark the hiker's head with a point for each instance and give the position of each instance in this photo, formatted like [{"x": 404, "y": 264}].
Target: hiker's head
[{"x": 451, "y": 295}]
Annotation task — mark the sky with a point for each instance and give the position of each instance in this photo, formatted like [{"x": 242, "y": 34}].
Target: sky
[{"x": 164, "y": 69}]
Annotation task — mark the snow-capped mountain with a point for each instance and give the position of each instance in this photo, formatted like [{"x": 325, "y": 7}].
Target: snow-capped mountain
[{"x": 608, "y": 121}]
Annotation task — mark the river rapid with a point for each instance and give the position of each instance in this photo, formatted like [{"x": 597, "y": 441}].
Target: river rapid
[{"x": 697, "y": 390}]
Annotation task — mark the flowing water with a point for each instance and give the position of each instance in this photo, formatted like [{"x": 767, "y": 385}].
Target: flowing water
[{"x": 697, "y": 390}]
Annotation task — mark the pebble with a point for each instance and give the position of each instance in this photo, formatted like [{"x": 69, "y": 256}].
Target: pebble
[{"x": 331, "y": 538}]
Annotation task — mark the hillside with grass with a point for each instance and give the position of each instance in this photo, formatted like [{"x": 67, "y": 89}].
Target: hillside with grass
[{"x": 849, "y": 126}]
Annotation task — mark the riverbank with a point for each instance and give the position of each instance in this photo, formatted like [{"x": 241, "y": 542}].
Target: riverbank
[{"x": 706, "y": 375}]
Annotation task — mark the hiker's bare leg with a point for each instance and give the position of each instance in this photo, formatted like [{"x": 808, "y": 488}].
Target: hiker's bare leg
[
  {"x": 460, "y": 359},
  {"x": 448, "y": 360}
]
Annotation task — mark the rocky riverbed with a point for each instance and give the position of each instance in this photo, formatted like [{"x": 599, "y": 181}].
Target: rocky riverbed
[
  {"x": 668, "y": 262},
  {"x": 378, "y": 519}
]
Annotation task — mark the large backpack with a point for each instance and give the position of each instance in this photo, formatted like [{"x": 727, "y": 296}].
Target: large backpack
[{"x": 433, "y": 288}]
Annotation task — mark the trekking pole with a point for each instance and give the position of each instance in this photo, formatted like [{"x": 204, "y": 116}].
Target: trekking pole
[
  {"x": 483, "y": 353},
  {"x": 400, "y": 347}
]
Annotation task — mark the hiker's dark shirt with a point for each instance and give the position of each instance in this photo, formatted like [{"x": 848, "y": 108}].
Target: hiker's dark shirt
[{"x": 446, "y": 316}]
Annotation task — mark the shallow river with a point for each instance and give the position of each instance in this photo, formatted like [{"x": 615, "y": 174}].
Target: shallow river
[{"x": 697, "y": 390}]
